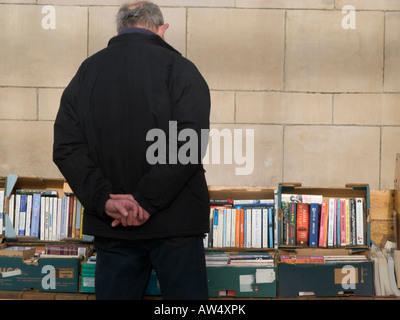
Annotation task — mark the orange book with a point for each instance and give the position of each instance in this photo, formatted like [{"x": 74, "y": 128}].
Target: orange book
[
  {"x": 303, "y": 223},
  {"x": 237, "y": 228},
  {"x": 323, "y": 224},
  {"x": 241, "y": 229}
]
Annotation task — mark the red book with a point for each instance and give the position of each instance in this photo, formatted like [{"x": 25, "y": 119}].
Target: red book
[{"x": 303, "y": 223}]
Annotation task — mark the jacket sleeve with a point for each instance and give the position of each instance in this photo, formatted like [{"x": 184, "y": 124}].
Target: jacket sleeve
[
  {"x": 72, "y": 157},
  {"x": 190, "y": 97}
]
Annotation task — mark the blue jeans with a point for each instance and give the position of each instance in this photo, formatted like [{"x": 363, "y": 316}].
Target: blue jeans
[{"x": 123, "y": 268}]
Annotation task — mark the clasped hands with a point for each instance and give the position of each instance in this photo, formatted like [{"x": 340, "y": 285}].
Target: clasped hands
[{"x": 125, "y": 210}]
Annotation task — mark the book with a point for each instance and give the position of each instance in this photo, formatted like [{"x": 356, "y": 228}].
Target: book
[
  {"x": 28, "y": 222},
  {"x": 22, "y": 214},
  {"x": 2, "y": 204},
  {"x": 293, "y": 259},
  {"x": 35, "y": 224},
  {"x": 331, "y": 222},
  {"x": 360, "y": 221},
  {"x": 285, "y": 222},
  {"x": 302, "y": 224},
  {"x": 292, "y": 223},
  {"x": 304, "y": 198},
  {"x": 270, "y": 227},
  {"x": 314, "y": 221},
  {"x": 323, "y": 232}
]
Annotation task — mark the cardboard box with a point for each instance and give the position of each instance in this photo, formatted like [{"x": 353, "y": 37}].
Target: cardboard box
[
  {"x": 241, "y": 282},
  {"x": 325, "y": 279},
  {"x": 347, "y": 192},
  {"x": 50, "y": 274}
]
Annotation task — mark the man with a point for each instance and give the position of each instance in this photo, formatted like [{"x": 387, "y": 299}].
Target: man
[{"x": 143, "y": 214}]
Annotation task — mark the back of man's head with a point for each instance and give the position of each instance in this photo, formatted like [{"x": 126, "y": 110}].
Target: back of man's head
[{"x": 142, "y": 14}]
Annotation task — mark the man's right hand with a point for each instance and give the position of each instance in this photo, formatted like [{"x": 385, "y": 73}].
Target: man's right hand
[{"x": 125, "y": 210}]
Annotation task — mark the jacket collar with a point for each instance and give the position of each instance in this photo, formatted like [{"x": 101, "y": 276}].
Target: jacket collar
[{"x": 143, "y": 37}]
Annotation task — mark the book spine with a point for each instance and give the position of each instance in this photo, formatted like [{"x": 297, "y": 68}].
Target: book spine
[
  {"x": 323, "y": 225},
  {"x": 360, "y": 221},
  {"x": 17, "y": 212},
  {"x": 248, "y": 227},
  {"x": 270, "y": 227},
  {"x": 241, "y": 242},
  {"x": 233, "y": 227},
  {"x": 22, "y": 215},
  {"x": 238, "y": 219},
  {"x": 265, "y": 228},
  {"x": 314, "y": 219},
  {"x": 353, "y": 232},
  {"x": 303, "y": 223},
  {"x": 42, "y": 217},
  {"x": 331, "y": 222},
  {"x": 343, "y": 222},
  {"x": 28, "y": 214},
  {"x": 211, "y": 229},
  {"x": 292, "y": 223},
  {"x": 2, "y": 199},
  {"x": 347, "y": 208},
  {"x": 285, "y": 222}
]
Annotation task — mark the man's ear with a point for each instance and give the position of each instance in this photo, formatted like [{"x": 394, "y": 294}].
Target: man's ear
[{"x": 161, "y": 29}]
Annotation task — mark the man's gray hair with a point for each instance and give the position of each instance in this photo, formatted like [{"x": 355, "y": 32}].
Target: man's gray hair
[{"x": 142, "y": 13}]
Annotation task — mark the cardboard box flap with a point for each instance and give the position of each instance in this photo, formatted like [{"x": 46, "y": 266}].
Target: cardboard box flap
[{"x": 16, "y": 251}]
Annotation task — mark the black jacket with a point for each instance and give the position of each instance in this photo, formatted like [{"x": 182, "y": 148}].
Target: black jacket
[{"x": 118, "y": 95}]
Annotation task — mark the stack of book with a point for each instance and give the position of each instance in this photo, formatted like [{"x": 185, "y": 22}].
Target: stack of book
[
  {"x": 294, "y": 259},
  {"x": 239, "y": 260},
  {"x": 44, "y": 215},
  {"x": 315, "y": 222},
  {"x": 242, "y": 224}
]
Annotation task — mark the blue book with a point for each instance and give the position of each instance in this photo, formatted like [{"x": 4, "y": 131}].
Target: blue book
[
  {"x": 22, "y": 215},
  {"x": 314, "y": 217},
  {"x": 35, "y": 224},
  {"x": 64, "y": 213},
  {"x": 215, "y": 227},
  {"x": 270, "y": 227}
]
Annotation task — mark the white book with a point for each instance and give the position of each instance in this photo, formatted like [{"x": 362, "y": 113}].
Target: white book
[
  {"x": 331, "y": 222},
  {"x": 28, "y": 215},
  {"x": 228, "y": 226},
  {"x": 265, "y": 228},
  {"x": 256, "y": 227},
  {"x": 248, "y": 229},
  {"x": 360, "y": 221},
  {"x": 42, "y": 216},
  {"x": 59, "y": 217},
  {"x": 233, "y": 228},
  {"x": 1, "y": 212},
  {"x": 220, "y": 232},
  {"x": 54, "y": 218},
  {"x": 17, "y": 212},
  {"x": 47, "y": 218}
]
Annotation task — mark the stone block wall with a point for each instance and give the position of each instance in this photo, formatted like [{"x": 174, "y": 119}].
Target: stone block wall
[{"x": 306, "y": 90}]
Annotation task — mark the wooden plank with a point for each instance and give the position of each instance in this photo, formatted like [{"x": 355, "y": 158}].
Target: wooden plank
[
  {"x": 382, "y": 202},
  {"x": 382, "y": 230}
]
